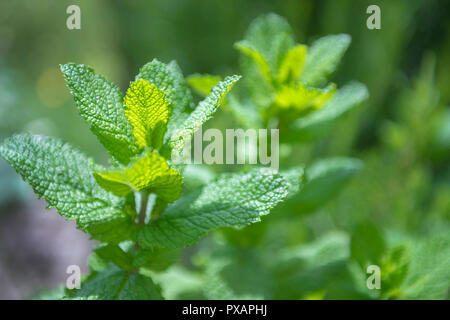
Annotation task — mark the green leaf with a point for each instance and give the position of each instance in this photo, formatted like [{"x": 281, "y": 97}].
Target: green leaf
[
  {"x": 268, "y": 39},
  {"x": 169, "y": 78},
  {"x": 196, "y": 175},
  {"x": 367, "y": 245},
  {"x": 429, "y": 269},
  {"x": 202, "y": 83},
  {"x": 216, "y": 286},
  {"x": 148, "y": 112},
  {"x": 115, "y": 283},
  {"x": 323, "y": 58},
  {"x": 100, "y": 103},
  {"x": 333, "y": 246},
  {"x": 180, "y": 283},
  {"x": 246, "y": 48},
  {"x": 202, "y": 113},
  {"x": 244, "y": 111},
  {"x": 319, "y": 123},
  {"x": 232, "y": 200},
  {"x": 301, "y": 97},
  {"x": 292, "y": 64},
  {"x": 113, "y": 253},
  {"x": 317, "y": 268},
  {"x": 150, "y": 173},
  {"x": 271, "y": 36},
  {"x": 394, "y": 268},
  {"x": 295, "y": 178},
  {"x": 97, "y": 264},
  {"x": 62, "y": 175},
  {"x": 324, "y": 179},
  {"x": 156, "y": 259},
  {"x": 223, "y": 262},
  {"x": 113, "y": 181}
]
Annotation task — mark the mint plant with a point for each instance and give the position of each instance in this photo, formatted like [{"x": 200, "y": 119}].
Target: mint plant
[
  {"x": 137, "y": 208},
  {"x": 145, "y": 207}
]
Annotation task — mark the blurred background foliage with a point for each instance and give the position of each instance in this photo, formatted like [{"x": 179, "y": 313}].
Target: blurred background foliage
[{"x": 401, "y": 134}]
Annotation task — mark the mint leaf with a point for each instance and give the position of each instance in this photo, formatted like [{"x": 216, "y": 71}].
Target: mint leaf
[
  {"x": 265, "y": 45},
  {"x": 232, "y": 200},
  {"x": 202, "y": 83},
  {"x": 429, "y": 269},
  {"x": 100, "y": 103},
  {"x": 315, "y": 269},
  {"x": 150, "y": 173},
  {"x": 244, "y": 111},
  {"x": 331, "y": 247},
  {"x": 271, "y": 36},
  {"x": 295, "y": 178},
  {"x": 292, "y": 64},
  {"x": 202, "y": 113},
  {"x": 263, "y": 66},
  {"x": 301, "y": 97},
  {"x": 216, "y": 287},
  {"x": 180, "y": 283},
  {"x": 323, "y": 58},
  {"x": 321, "y": 122},
  {"x": 367, "y": 245},
  {"x": 221, "y": 266},
  {"x": 113, "y": 181},
  {"x": 53, "y": 294},
  {"x": 61, "y": 175},
  {"x": 156, "y": 259},
  {"x": 116, "y": 283},
  {"x": 169, "y": 78},
  {"x": 113, "y": 253},
  {"x": 324, "y": 179},
  {"x": 148, "y": 112}
]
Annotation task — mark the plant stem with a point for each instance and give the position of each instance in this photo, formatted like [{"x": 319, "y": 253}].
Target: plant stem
[
  {"x": 143, "y": 208},
  {"x": 158, "y": 208}
]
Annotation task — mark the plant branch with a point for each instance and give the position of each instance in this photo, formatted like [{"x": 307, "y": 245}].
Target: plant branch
[
  {"x": 143, "y": 208},
  {"x": 159, "y": 207}
]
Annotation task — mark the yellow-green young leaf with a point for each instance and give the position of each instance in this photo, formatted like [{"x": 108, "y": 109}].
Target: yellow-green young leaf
[
  {"x": 169, "y": 78},
  {"x": 292, "y": 64},
  {"x": 321, "y": 122},
  {"x": 302, "y": 97},
  {"x": 113, "y": 181},
  {"x": 245, "y": 47},
  {"x": 202, "y": 83},
  {"x": 148, "y": 112},
  {"x": 150, "y": 173}
]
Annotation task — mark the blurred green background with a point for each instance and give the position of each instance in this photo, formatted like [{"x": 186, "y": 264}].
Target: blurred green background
[{"x": 402, "y": 133}]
